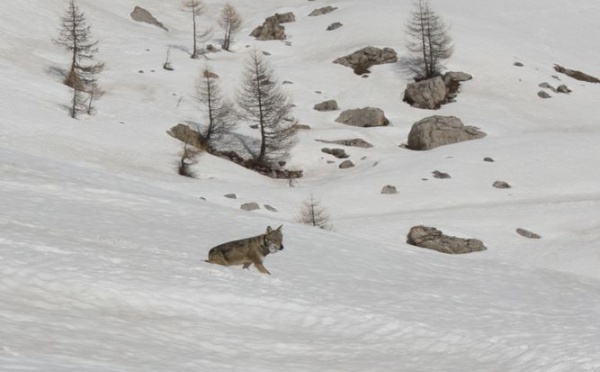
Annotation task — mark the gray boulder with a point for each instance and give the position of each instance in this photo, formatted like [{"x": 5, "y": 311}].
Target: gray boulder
[
  {"x": 346, "y": 164},
  {"x": 364, "y": 117},
  {"x": 543, "y": 94},
  {"x": 338, "y": 153},
  {"x": 334, "y": 26},
  {"x": 330, "y": 105},
  {"x": 270, "y": 30},
  {"x": 456, "y": 76},
  {"x": 426, "y": 94},
  {"x": 282, "y": 18},
  {"x": 321, "y": 11},
  {"x": 389, "y": 189},
  {"x": 250, "y": 206},
  {"x": 432, "y": 238},
  {"x": 501, "y": 185},
  {"x": 364, "y": 58},
  {"x": 528, "y": 234},
  {"x": 140, "y": 14},
  {"x": 435, "y": 131}
]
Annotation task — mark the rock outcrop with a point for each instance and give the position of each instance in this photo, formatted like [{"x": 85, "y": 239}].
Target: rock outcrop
[
  {"x": 321, "y": 11},
  {"x": 272, "y": 29},
  {"x": 432, "y": 238},
  {"x": 330, "y": 105},
  {"x": 426, "y": 94}
]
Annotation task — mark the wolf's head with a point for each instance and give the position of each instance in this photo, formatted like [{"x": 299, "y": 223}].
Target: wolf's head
[{"x": 274, "y": 239}]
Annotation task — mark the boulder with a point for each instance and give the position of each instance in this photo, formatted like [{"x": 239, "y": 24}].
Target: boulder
[
  {"x": 426, "y": 94},
  {"x": 140, "y": 14},
  {"x": 364, "y": 58},
  {"x": 501, "y": 185},
  {"x": 250, "y": 206},
  {"x": 330, "y": 105},
  {"x": 270, "y": 30},
  {"x": 334, "y": 26},
  {"x": 321, "y": 11},
  {"x": 364, "y": 117},
  {"x": 543, "y": 94},
  {"x": 577, "y": 75},
  {"x": 563, "y": 89},
  {"x": 456, "y": 76},
  {"x": 389, "y": 189},
  {"x": 338, "y": 153},
  {"x": 346, "y": 164},
  {"x": 440, "y": 175},
  {"x": 528, "y": 234},
  {"x": 432, "y": 238},
  {"x": 282, "y": 18},
  {"x": 435, "y": 131}
]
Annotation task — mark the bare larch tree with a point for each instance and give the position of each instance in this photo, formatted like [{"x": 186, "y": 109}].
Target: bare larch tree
[
  {"x": 230, "y": 21},
  {"x": 263, "y": 102},
  {"x": 312, "y": 213},
  {"x": 196, "y": 8},
  {"x": 218, "y": 110},
  {"x": 74, "y": 36},
  {"x": 428, "y": 43}
]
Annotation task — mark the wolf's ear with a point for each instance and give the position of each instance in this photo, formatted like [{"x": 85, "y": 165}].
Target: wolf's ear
[
  {"x": 279, "y": 228},
  {"x": 269, "y": 229}
]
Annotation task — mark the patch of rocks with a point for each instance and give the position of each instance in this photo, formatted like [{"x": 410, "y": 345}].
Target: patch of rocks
[
  {"x": 440, "y": 175},
  {"x": 432, "y": 93},
  {"x": 250, "y": 206},
  {"x": 434, "y": 239},
  {"x": 435, "y": 131},
  {"x": 577, "y": 75}
]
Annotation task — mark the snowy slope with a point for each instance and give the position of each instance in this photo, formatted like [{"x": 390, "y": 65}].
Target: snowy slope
[{"x": 102, "y": 243}]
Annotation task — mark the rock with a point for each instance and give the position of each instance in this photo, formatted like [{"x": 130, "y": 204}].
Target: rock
[
  {"x": 356, "y": 142},
  {"x": 321, "y": 11},
  {"x": 230, "y": 196},
  {"x": 334, "y": 26},
  {"x": 578, "y": 75},
  {"x": 364, "y": 117},
  {"x": 338, "y": 153},
  {"x": 140, "y": 14},
  {"x": 440, "y": 175},
  {"x": 501, "y": 185},
  {"x": 518, "y": 64},
  {"x": 302, "y": 127},
  {"x": 362, "y": 59},
  {"x": 282, "y": 18},
  {"x": 270, "y": 30},
  {"x": 426, "y": 94},
  {"x": 563, "y": 89},
  {"x": 346, "y": 164},
  {"x": 528, "y": 234},
  {"x": 547, "y": 86},
  {"x": 488, "y": 159},
  {"x": 389, "y": 189},
  {"x": 211, "y": 48},
  {"x": 543, "y": 94},
  {"x": 457, "y": 76},
  {"x": 250, "y": 206},
  {"x": 432, "y": 238},
  {"x": 270, "y": 208},
  {"x": 330, "y": 105},
  {"x": 435, "y": 131}
]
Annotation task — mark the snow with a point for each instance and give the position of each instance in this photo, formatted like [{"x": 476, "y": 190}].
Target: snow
[{"x": 102, "y": 244}]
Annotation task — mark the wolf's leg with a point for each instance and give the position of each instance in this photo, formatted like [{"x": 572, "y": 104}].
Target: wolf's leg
[
  {"x": 217, "y": 258},
  {"x": 261, "y": 267},
  {"x": 246, "y": 265}
]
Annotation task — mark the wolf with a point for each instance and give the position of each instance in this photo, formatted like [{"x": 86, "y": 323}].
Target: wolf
[{"x": 248, "y": 251}]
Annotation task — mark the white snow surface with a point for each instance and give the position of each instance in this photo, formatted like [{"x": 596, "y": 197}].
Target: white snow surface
[{"x": 102, "y": 244}]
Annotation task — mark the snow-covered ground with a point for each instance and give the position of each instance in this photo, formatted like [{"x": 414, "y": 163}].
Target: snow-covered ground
[{"x": 102, "y": 244}]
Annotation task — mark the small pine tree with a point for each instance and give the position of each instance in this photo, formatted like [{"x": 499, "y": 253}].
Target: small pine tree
[
  {"x": 312, "y": 213},
  {"x": 230, "y": 22},
  {"x": 428, "y": 43},
  {"x": 196, "y": 8}
]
